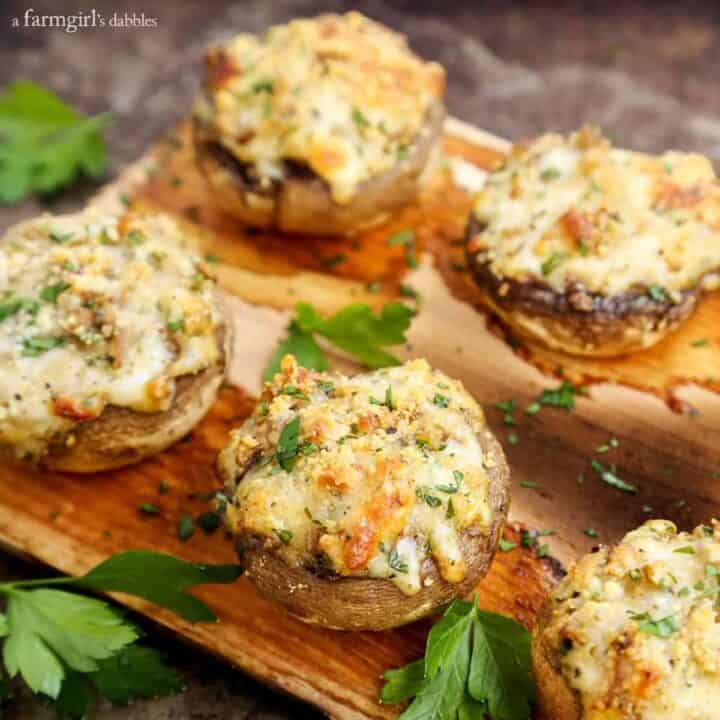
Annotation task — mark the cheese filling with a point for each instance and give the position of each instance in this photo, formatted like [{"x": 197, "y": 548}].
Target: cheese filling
[
  {"x": 340, "y": 95},
  {"x": 637, "y": 629},
  {"x": 386, "y": 472},
  {"x": 576, "y": 211},
  {"x": 96, "y": 311}
]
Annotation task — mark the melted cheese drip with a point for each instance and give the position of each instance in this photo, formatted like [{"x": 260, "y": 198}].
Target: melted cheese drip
[
  {"x": 375, "y": 490},
  {"x": 605, "y": 626},
  {"x": 96, "y": 311},
  {"x": 577, "y": 211},
  {"x": 341, "y": 95}
]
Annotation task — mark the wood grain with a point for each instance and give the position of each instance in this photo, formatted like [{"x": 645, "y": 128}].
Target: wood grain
[{"x": 673, "y": 458}]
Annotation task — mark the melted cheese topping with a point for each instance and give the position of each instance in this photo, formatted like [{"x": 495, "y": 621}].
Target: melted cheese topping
[
  {"x": 96, "y": 311},
  {"x": 636, "y": 626},
  {"x": 388, "y": 472},
  {"x": 575, "y": 210},
  {"x": 341, "y": 95}
]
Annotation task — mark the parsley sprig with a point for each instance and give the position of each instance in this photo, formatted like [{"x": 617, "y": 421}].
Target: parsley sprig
[
  {"x": 71, "y": 647},
  {"x": 356, "y": 329},
  {"x": 476, "y": 664},
  {"x": 44, "y": 143}
]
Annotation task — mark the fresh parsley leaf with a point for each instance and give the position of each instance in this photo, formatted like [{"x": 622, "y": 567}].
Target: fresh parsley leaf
[
  {"x": 73, "y": 629},
  {"x": 76, "y": 696},
  {"x": 159, "y": 578},
  {"x": 303, "y": 346},
  {"x": 475, "y": 663},
  {"x": 44, "y": 143},
  {"x": 356, "y": 329},
  {"x": 500, "y": 667},
  {"x": 287, "y": 447},
  {"x": 359, "y": 331},
  {"x": 446, "y": 635},
  {"x": 135, "y": 671},
  {"x": 403, "y": 683}
]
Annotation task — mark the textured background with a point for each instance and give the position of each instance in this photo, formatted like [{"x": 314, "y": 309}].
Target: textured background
[{"x": 646, "y": 72}]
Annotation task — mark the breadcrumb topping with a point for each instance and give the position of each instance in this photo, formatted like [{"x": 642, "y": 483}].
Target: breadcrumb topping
[
  {"x": 636, "y": 626},
  {"x": 385, "y": 472},
  {"x": 575, "y": 210},
  {"x": 96, "y": 310},
  {"x": 340, "y": 95}
]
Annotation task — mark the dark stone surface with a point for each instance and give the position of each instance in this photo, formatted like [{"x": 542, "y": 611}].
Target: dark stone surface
[{"x": 646, "y": 72}]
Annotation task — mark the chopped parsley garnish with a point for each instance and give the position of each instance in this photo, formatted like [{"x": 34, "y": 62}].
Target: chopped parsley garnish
[
  {"x": 285, "y": 536},
  {"x": 664, "y": 627},
  {"x": 8, "y": 309},
  {"x": 561, "y": 397},
  {"x": 533, "y": 408},
  {"x": 209, "y": 521},
  {"x": 513, "y": 439},
  {"x": 174, "y": 326},
  {"x": 530, "y": 484},
  {"x": 591, "y": 532},
  {"x": 389, "y": 398},
  {"x": 34, "y": 346},
  {"x": 185, "y": 528},
  {"x": 550, "y": 173},
  {"x": 212, "y": 258},
  {"x": 402, "y": 238},
  {"x": 409, "y": 292},
  {"x": 430, "y": 500},
  {"x": 583, "y": 248},
  {"x": 506, "y": 545},
  {"x": 700, "y": 342},
  {"x": 136, "y": 237},
  {"x": 148, "y": 508},
  {"x": 553, "y": 262},
  {"x": 396, "y": 562},
  {"x": 507, "y": 407},
  {"x": 335, "y": 260},
  {"x": 685, "y": 550},
  {"x": 358, "y": 118},
  {"x": 293, "y": 392},
  {"x": 441, "y": 401},
  {"x": 51, "y": 293},
  {"x": 287, "y": 448},
  {"x": 658, "y": 293},
  {"x": 263, "y": 86},
  {"x": 60, "y": 238},
  {"x": 609, "y": 476}
]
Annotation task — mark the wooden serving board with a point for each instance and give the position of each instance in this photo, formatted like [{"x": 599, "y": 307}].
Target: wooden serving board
[{"x": 73, "y": 522}]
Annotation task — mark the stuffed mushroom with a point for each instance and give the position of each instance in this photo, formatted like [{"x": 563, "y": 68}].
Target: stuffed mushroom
[
  {"x": 365, "y": 502},
  {"x": 323, "y": 125},
  {"x": 112, "y": 340},
  {"x": 594, "y": 250},
  {"x": 633, "y": 630}
]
